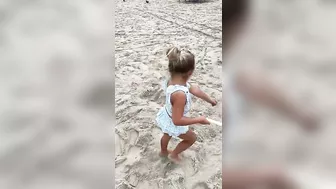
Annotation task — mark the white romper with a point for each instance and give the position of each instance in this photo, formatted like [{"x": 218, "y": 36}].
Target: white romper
[{"x": 163, "y": 118}]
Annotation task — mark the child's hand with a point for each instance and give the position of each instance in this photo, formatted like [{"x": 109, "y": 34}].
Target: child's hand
[
  {"x": 203, "y": 120},
  {"x": 213, "y": 102}
]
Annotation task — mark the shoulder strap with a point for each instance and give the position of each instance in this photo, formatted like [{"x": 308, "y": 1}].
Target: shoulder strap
[{"x": 179, "y": 88}]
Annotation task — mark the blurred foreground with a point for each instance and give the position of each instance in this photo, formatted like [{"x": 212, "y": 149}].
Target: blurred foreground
[
  {"x": 287, "y": 48},
  {"x": 57, "y": 97}
]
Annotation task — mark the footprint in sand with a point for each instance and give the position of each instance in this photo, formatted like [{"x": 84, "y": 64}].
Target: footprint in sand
[
  {"x": 133, "y": 138},
  {"x": 126, "y": 148},
  {"x": 201, "y": 185},
  {"x": 176, "y": 181},
  {"x": 132, "y": 151},
  {"x": 154, "y": 93},
  {"x": 192, "y": 163},
  {"x": 136, "y": 171},
  {"x": 124, "y": 185},
  {"x": 119, "y": 150},
  {"x": 133, "y": 179},
  {"x": 144, "y": 139},
  {"x": 118, "y": 145}
]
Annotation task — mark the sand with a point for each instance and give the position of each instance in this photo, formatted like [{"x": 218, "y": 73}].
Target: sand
[{"x": 143, "y": 32}]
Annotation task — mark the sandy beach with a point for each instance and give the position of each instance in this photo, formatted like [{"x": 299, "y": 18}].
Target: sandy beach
[{"x": 143, "y": 33}]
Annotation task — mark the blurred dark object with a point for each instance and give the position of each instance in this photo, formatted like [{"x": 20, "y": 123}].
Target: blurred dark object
[{"x": 234, "y": 12}]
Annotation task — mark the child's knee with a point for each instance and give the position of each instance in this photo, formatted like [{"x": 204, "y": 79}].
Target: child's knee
[
  {"x": 193, "y": 138},
  {"x": 165, "y": 137}
]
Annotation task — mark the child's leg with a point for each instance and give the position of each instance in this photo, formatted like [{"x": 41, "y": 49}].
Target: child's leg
[
  {"x": 164, "y": 144},
  {"x": 188, "y": 139}
]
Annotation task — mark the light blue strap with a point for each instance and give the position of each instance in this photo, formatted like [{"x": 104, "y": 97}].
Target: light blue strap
[{"x": 164, "y": 84}]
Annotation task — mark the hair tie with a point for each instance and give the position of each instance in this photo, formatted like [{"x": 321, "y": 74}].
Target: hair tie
[{"x": 171, "y": 50}]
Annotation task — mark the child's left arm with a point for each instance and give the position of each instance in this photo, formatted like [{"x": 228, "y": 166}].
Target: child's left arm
[{"x": 196, "y": 91}]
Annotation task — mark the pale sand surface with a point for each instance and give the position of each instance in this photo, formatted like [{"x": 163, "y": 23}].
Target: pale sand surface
[{"x": 143, "y": 32}]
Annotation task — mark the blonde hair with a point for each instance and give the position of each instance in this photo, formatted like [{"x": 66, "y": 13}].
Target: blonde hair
[{"x": 180, "y": 61}]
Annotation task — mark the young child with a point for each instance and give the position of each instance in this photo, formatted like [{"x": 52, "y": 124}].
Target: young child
[{"x": 172, "y": 117}]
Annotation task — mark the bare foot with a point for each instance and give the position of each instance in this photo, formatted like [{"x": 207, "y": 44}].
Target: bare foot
[
  {"x": 175, "y": 158},
  {"x": 164, "y": 154}
]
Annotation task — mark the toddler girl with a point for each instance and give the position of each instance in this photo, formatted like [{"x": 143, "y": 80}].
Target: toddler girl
[{"x": 172, "y": 117}]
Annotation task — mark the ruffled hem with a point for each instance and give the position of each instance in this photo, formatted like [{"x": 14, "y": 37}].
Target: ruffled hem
[
  {"x": 175, "y": 135},
  {"x": 167, "y": 126}
]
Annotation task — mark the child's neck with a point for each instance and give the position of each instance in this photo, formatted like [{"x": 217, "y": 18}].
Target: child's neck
[{"x": 178, "y": 80}]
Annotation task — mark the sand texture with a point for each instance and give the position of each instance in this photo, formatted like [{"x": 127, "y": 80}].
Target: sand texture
[{"x": 143, "y": 32}]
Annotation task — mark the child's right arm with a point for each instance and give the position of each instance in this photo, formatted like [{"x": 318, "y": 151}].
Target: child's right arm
[
  {"x": 178, "y": 100},
  {"x": 196, "y": 91}
]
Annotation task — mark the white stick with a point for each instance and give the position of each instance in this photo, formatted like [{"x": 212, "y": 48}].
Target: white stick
[{"x": 214, "y": 122}]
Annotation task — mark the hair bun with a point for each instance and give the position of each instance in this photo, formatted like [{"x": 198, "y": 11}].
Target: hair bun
[{"x": 173, "y": 53}]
